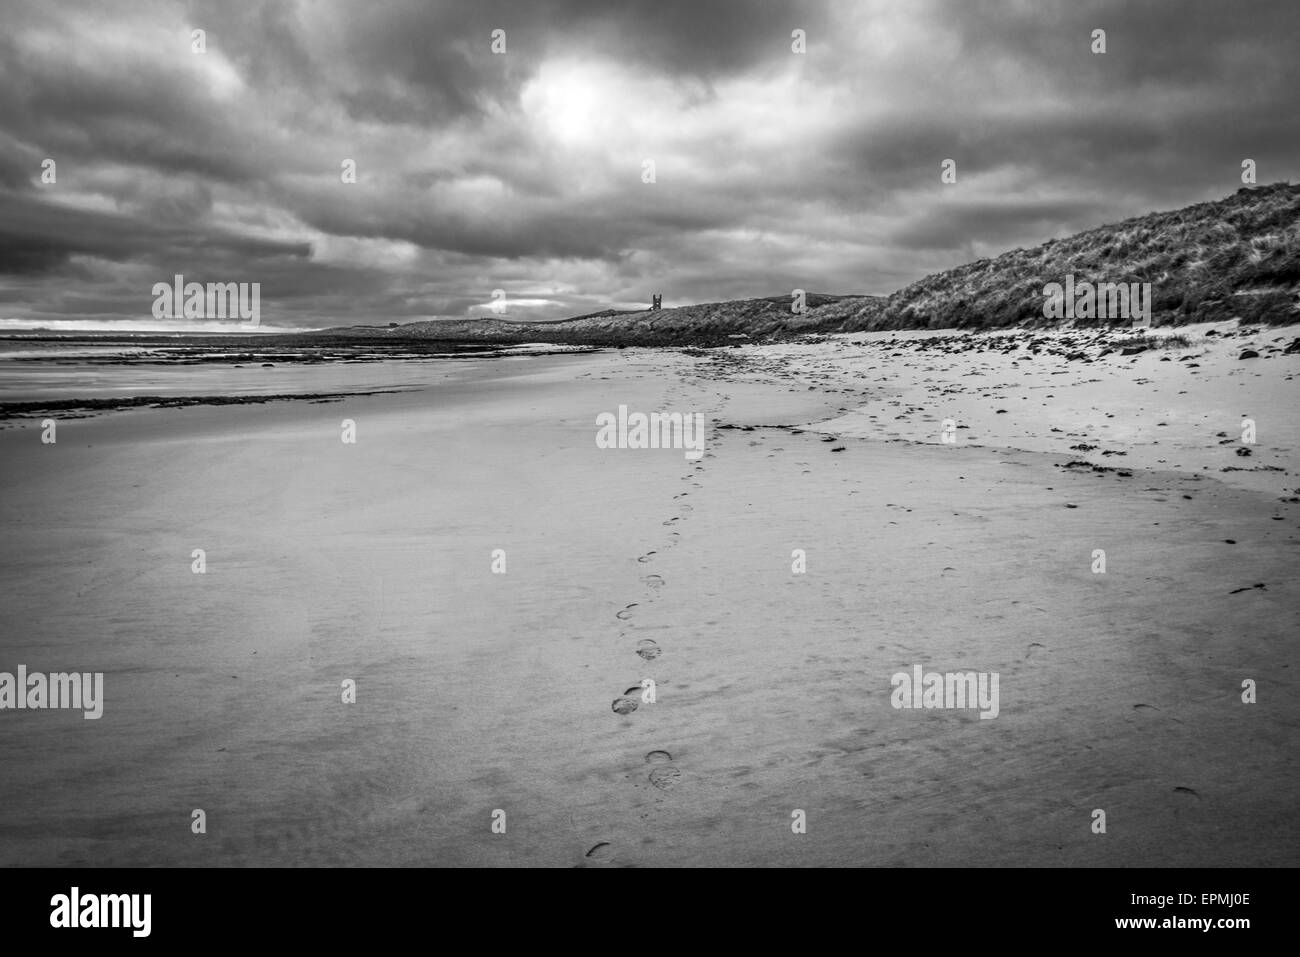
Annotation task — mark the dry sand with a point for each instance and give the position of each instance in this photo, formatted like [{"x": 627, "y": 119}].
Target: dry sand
[{"x": 479, "y": 691}]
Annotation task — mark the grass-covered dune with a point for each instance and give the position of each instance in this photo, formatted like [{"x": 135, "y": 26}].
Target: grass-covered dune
[{"x": 1237, "y": 257}]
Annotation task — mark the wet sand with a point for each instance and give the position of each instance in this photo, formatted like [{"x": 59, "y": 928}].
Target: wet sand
[{"x": 478, "y": 692}]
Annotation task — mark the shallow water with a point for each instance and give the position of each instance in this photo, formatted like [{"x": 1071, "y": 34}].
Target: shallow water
[{"x": 80, "y": 368}]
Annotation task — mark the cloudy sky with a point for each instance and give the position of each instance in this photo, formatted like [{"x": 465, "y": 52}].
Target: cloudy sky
[{"x": 524, "y": 170}]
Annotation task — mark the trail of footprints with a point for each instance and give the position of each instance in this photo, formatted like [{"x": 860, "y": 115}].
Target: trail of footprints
[{"x": 663, "y": 774}]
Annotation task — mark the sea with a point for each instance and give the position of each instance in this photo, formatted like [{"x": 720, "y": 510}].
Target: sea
[{"x": 61, "y": 366}]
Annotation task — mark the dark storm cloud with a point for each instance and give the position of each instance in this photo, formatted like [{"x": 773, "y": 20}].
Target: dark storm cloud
[
  {"x": 523, "y": 171},
  {"x": 65, "y": 232},
  {"x": 995, "y": 221}
]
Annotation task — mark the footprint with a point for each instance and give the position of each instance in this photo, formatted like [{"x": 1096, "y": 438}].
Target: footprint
[
  {"x": 664, "y": 777},
  {"x": 1182, "y": 790},
  {"x": 600, "y": 850},
  {"x": 1032, "y": 646},
  {"x": 646, "y": 557},
  {"x": 624, "y": 705},
  {"x": 654, "y": 581},
  {"x": 658, "y": 757},
  {"x": 626, "y": 613},
  {"x": 648, "y": 649}
]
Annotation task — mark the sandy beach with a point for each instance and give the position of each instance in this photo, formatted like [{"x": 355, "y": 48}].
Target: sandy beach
[{"x": 479, "y": 691}]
